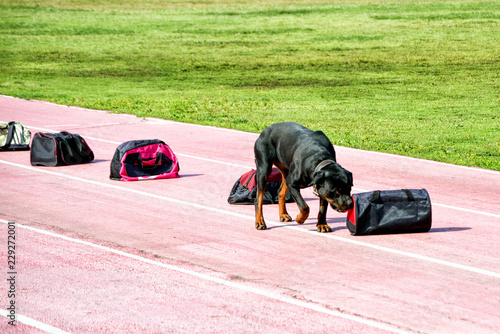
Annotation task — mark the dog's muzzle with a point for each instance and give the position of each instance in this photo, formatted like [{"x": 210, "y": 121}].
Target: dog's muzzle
[
  {"x": 343, "y": 204},
  {"x": 340, "y": 203}
]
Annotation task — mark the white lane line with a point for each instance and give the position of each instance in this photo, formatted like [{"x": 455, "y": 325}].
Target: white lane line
[
  {"x": 449, "y": 206},
  {"x": 467, "y": 210},
  {"x": 179, "y": 154},
  {"x": 444, "y": 164},
  {"x": 257, "y": 291},
  {"x": 215, "y": 161},
  {"x": 32, "y": 322},
  {"x": 253, "y": 167},
  {"x": 252, "y": 218}
]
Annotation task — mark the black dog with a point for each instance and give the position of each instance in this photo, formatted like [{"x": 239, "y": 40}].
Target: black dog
[{"x": 305, "y": 158}]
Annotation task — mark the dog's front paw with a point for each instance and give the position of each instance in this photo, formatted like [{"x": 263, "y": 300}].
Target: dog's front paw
[
  {"x": 285, "y": 218},
  {"x": 323, "y": 228},
  {"x": 302, "y": 216}
]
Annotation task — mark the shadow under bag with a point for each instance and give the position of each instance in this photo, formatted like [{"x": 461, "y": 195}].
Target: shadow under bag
[
  {"x": 147, "y": 159},
  {"x": 392, "y": 211}
]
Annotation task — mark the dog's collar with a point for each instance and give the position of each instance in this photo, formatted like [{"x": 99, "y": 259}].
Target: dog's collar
[
  {"x": 320, "y": 166},
  {"x": 323, "y": 164}
]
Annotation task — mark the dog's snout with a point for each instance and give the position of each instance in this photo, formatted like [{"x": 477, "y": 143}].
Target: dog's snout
[{"x": 342, "y": 203}]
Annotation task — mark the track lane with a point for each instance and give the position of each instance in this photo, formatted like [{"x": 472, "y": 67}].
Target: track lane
[{"x": 166, "y": 296}]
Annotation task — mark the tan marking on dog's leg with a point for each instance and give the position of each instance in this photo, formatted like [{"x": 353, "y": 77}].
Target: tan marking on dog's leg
[
  {"x": 322, "y": 226},
  {"x": 260, "y": 224},
  {"x": 284, "y": 216}
]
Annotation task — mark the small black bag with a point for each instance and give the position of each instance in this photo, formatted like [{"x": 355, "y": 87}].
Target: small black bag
[
  {"x": 14, "y": 136},
  {"x": 393, "y": 211},
  {"x": 62, "y": 148},
  {"x": 244, "y": 190}
]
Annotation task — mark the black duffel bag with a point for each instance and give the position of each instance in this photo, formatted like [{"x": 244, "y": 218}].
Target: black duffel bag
[
  {"x": 392, "y": 211},
  {"x": 58, "y": 149}
]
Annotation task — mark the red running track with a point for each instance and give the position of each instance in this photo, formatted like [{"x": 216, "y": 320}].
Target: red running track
[{"x": 172, "y": 256}]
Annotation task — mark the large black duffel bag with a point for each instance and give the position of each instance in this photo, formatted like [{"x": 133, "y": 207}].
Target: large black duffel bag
[
  {"x": 59, "y": 149},
  {"x": 392, "y": 211}
]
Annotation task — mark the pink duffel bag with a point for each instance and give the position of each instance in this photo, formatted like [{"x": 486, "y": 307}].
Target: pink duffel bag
[{"x": 147, "y": 159}]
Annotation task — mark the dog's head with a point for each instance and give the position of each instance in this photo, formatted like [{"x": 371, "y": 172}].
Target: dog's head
[{"x": 333, "y": 183}]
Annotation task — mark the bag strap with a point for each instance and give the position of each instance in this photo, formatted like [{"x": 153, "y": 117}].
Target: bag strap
[
  {"x": 152, "y": 167},
  {"x": 376, "y": 196},
  {"x": 64, "y": 142},
  {"x": 250, "y": 179},
  {"x": 411, "y": 198},
  {"x": 61, "y": 141},
  {"x": 77, "y": 139},
  {"x": 10, "y": 134}
]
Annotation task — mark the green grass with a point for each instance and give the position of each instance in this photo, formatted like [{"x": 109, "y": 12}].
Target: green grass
[{"x": 417, "y": 78}]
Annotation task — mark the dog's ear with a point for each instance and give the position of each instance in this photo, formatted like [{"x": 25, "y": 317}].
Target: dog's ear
[{"x": 349, "y": 175}]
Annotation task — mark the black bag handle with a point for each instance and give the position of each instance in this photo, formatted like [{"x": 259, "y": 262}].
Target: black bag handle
[
  {"x": 411, "y": 198},
  {"x": 250, "y": 178},
  {"x": 77, "y": 138},
  {"x": 153, "y": 167},
  {"x": 376, "y": 196},
  {"x": 64, "y": 142},
  {"x": 82, "y": 152}
]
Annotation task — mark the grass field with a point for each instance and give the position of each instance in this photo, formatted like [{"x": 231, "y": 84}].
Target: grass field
[{"x": 417, "y": 78}]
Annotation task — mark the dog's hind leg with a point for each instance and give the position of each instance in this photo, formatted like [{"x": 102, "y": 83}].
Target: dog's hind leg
[
  {"x": 264, "y": 168},
  {"x": 260, "y": 224},
  {"x": 322, "y": 226},
  {"x": 284, "y": 216},
  {"x": 261, "y": 178}
]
